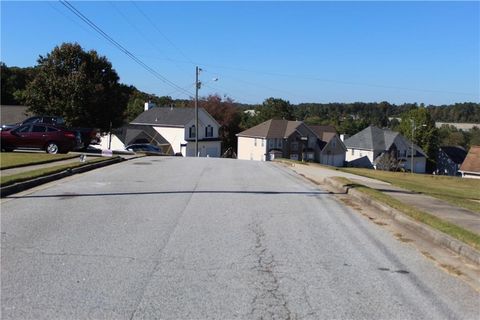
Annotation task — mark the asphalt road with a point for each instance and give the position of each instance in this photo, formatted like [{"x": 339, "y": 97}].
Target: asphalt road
[{"x": 176, "y": 238}]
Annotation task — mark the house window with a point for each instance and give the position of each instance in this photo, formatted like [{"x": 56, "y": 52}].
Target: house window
[
  {"x": 263, "y": 142},
  {"x": 255, "y": 142},
  {"x": 353, "y": 152},
  {"x": 294, "y": 146},
  {"x": 279, "y": 142},
  {"x": 334, "y": 143},
  {"x": 271, "y": 143},
  {"x": 191, "y": 132},
  {"x": 208, "y": 131}
]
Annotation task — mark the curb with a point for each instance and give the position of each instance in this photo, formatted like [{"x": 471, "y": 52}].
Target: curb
[
  {"x": 21, "y": 186},
  {"x": 433, "y": 235}
]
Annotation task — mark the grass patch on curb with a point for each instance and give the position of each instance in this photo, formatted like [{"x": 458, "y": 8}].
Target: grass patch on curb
[
  {"x": 10, "y": 160},
  {"x": 291, "y": 162},
  {"x": 25, "y": 176},
  {"x": 458, "y": 191},
  {"x": 446, "y": 227}
]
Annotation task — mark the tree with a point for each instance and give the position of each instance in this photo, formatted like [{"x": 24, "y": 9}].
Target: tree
[
  {"x": 13, "y": 81},
  {"x": 80, "y": 86},
  {"x": 137, "y": 99},
  {"x": 425, "y": 133},
  {"x": 388, "y": 162},
  {"x": 274, "y": 108},
  {"x": 227, "y": 115}
]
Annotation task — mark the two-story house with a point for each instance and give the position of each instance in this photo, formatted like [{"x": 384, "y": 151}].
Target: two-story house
[
  {"x": 291, "y": 140},
  {"x": 277, "y": 138},
  {"x": 177, "y": 126}
]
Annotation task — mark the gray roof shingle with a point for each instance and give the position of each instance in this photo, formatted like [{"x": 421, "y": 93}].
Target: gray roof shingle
[
  {"x": 374, "y": 138},
  {"x": 272, "y": 129},
  {"x": 175, "y": 117}
]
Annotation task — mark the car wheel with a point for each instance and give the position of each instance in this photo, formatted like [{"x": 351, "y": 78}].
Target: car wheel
[{"x": 52, "y": 148}]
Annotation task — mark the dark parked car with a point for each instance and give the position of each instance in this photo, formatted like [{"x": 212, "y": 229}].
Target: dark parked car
[
  {"x": 40, "y": 136},
  {"x": 88, "y": 135},
  {"x": 52, "y": 120},
  {"x": 144, "y": 147}
]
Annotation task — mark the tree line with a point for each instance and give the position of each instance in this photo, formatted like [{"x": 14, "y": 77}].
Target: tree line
[{"x": 84, "y": 88}]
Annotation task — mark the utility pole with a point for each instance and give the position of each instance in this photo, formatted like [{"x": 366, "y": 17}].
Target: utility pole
[
  {"x": 197, "y": 86},
  {"x": 413, "y": 133}
]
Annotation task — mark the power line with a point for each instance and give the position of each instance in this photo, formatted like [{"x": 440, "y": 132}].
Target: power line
[
  {"x": 161, "y": 33},
  {"x": 310, "y": 77},
  {"x": 122, "y": 48},
  {"x": 144, "y": 36}
]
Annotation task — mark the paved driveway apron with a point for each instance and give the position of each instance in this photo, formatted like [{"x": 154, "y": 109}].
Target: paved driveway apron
[{"x": 175, "y": 238}]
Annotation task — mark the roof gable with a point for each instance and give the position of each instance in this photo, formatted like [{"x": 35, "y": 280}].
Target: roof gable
[
  {"x": 272, "y": 129},
  {"x": 324, "y": 133},
  {"x": 472, "y": 160},
  {"x": 129, "y": 133},
  {"x": 456, "y": 154},
  {"x": 373, "y": 138}
]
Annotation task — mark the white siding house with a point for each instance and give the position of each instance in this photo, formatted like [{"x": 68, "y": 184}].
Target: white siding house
[
  {"x": 366, "y": 148},
  {"x": 177, "y": 126}
]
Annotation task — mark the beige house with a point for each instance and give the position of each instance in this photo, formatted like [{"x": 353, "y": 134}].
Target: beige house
[
  {"x": 331, "y": 147},
  {"x": 292, "y": 140}
]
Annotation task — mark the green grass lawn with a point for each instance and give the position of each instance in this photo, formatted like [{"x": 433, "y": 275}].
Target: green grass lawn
[
  {"x": 458, "y": 191},
  {"x": 24, "y": 176},
  {"x": 451, "y": 229},
  {"x": 20, "y": 159}
]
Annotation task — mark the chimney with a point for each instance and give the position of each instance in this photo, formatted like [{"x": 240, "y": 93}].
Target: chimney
[
  {"x": 148, "y": 105},
  {"x": 344, "y": 136}
]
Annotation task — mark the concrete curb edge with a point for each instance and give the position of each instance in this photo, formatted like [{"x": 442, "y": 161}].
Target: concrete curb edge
[
  {"x": 21, "y": 186},
  {"x": 431, "y": 234}
]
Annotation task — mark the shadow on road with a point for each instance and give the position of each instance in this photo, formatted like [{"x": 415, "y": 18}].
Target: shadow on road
[{"x": 73, "y": 195}]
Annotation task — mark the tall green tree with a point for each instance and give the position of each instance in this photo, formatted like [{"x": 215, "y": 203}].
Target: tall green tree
[
  {"x": 13, "y": 81},
  {"x": 419, "y": 123},
  {"x": 275, "y": 108},
  {"x": 79, "y": 85}
]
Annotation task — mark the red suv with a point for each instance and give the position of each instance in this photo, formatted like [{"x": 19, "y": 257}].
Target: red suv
[{"x": 40, "y": 136}]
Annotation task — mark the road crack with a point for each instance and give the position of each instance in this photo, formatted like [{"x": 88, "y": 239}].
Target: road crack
[{"x": 269, "y": 302}]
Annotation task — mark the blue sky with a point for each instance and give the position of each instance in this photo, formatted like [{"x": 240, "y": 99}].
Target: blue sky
[{"x": 425, "y": 52}]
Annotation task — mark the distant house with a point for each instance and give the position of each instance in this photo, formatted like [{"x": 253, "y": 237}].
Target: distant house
[
  {"x": 291, "y": 140},
  {"x": 331, "y": 148},
  {"x": 130, "y": 134},
  {"x": 13, "y": 114},
  {"x": 470, "y": 167},
  {"x": 371, "y": 146},
  {"x": 177, "y": 127},
  {"x": 449, "y": 160},
  {"x": 277, "y": 138}
]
